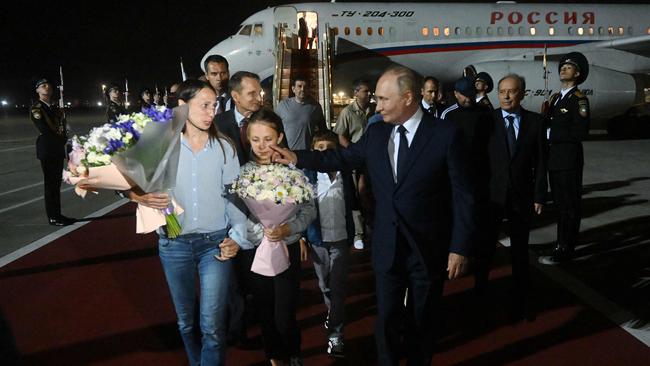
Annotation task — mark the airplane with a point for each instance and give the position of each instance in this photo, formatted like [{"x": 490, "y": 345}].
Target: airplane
[{"x": 448, "y": 40}]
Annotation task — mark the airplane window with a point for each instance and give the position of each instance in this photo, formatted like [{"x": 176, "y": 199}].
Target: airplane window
[
  {"x": 425, "y": 31},
  {"x": 489, "y": 31},
  {"x": 511, "y": 31},
  {"x": 551, "y": 31},
  {"x": 246, "y": 30},
  {"x": 468, "y": 31},
  {"x": 629, "y": 31},
  {"x": 500, "y": 31},
  {"x": 601, "y": 30},
  {"x": 457, "y": 31},
  {"x": 522, "y": 31},
  {"x": 533, "y": 31},
  {"x": 380, "y": 31},
  {"x": 581, "y": 31},
  {"x": 621, "y": 31},
  {"x": 571, "y": 30},
  {"x": 648, "y": 30},
  {"x": 336, "y": 31},
  {"x": 446, "y": 31},
  {"x": 610, "y": 31},
  {"x": 479, "y": 31},
  {"x": 347, "y": 31},
  {"x": 369, "y": 31},
  {"x": 591, "y": 31},
  {"x": 257, "y": 30},
  {"x": 357, "y": 31},
  {"x": 436, "y": 31},
  {"x": 392, "y": 31}
]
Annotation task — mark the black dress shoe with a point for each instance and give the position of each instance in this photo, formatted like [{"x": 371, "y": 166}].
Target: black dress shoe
[
  {"x": 559, "y": 254},
  {"x": 61, "y": 221}
]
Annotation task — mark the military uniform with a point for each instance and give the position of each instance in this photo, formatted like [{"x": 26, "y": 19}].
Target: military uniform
[
  {"x": 113, "y": 110},
  {"x": 568, "y": 121},
  {"x": 50, "y": 150},
  {"x": 484, "y": 102}
]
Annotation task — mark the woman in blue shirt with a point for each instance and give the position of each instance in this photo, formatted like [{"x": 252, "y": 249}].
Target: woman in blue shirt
[{"x": 212, "y": 227}]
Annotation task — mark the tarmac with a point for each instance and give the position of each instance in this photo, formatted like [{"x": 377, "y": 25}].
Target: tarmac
[{"x": 611, "y": 272}]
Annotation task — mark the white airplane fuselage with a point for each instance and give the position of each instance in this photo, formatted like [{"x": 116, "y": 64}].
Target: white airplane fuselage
[{"x": 441, "y": 39}]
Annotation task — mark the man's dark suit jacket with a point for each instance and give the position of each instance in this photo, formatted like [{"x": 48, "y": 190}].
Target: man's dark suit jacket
[
  {"x": 525, "y": 174},
  {"x": 432, "y": 202},
  {"x": 227, "y": 124}
]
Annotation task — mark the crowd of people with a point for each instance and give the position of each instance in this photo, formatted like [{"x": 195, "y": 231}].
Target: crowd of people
[{"x": 428, "y": 185}]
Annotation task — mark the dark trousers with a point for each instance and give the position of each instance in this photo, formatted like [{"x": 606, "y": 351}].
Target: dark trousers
[
  {"x": 416, "y": 320},
  {"x": 566, "y": 187},
  {"x": 276, "y": 300},
  {"x": 517, "y": 226},
  {"x": 52, "y": 170},
  {"x": 241, "y": 284}
]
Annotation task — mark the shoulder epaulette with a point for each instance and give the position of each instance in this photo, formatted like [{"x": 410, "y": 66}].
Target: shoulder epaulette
[{"x": 578, "y": 93}]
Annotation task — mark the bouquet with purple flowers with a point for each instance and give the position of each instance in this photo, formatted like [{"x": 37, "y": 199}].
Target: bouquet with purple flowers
[{"x": 138, "y": 149}]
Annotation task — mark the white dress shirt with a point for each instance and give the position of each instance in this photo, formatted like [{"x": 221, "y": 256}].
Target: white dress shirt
[{"x": 411, "y": 126}]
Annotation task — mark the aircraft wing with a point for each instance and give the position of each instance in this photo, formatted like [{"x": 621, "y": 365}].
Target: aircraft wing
[{"x": 639, "y": 45}]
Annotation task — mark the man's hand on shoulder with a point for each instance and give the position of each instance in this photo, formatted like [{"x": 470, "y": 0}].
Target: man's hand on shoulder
[{"x": 456, "y": 265}]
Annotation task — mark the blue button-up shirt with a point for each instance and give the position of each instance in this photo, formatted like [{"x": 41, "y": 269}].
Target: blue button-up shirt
[{"x": 201, "y": 190}]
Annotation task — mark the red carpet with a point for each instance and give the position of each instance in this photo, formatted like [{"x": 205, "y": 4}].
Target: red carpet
[{"x": 98, "y": 296}]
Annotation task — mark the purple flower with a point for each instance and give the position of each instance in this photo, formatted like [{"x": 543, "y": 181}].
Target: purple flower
[
  {"x": 158, "y": 116},
  {"x": 113, "y": 145}
]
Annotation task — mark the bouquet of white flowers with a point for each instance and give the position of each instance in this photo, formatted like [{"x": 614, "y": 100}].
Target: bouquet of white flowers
[
  {"x": 138, "y": 149},
  {"x": 272, "y": 193}
]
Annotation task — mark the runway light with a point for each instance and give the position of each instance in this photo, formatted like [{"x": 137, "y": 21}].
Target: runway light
[
  {"x": 4, "y": 103},
  {"x": 69, "y": 104},
  {"x": 99, "y": 104}
]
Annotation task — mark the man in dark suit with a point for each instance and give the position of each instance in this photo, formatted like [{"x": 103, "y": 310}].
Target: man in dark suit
[
  {"x": 430, "y": 96},
  {"x": 567, "y": 118},
  {"x": 50, "y": 149},
  {"x": 418, "y": 166},
  {"x": 217, "y": 73},
  {"x": 517, "y": 183},
  {"x": 245, "y": 90}
]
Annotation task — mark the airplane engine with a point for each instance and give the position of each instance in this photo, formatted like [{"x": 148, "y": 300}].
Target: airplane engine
[{"x": 610, "y": 92}]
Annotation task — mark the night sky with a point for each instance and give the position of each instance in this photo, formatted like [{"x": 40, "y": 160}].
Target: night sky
[{"x": 105, "y": 41}]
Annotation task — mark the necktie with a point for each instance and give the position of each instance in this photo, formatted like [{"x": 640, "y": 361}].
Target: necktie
[
  {"x": 242, "y": 133},
  {"x": 220, "y": 104},
  {"x": 510, "y": 135},
  {"x": 403, "y": 149}
]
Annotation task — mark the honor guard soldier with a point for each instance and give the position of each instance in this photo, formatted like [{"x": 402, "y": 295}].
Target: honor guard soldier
[
  {"x": 115, "y": 106},
  {"x": 567, "y": 118},
  {"x": 50, "y": 149},
  {"x": 145, "y": 100},
  {"x": 483, "y": 84}
]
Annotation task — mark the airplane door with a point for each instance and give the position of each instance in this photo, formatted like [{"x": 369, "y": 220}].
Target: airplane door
[{"x": 287, "y": 17}]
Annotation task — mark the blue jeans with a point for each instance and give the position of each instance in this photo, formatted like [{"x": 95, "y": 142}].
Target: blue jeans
[{"x": 181, "y": 258}]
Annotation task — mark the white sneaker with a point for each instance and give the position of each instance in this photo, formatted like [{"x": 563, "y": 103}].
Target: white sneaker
[
  {"x": 335, "y": 347},
  {"x": 358, "y": 244}
]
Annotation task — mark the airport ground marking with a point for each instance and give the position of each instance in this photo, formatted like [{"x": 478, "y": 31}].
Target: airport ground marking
[
  {"x": 30, "y": 201},
  {"x": 19, "y": 253},
  {"x": 22, "y": 188}
]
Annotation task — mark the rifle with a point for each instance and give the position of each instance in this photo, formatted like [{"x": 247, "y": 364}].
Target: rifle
[
  {"x": 61, "y": 105},
  {"x": 545, "y": 105},
  {"x": 183, "y": 75},
  {"x": 126, "y": 93}
]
